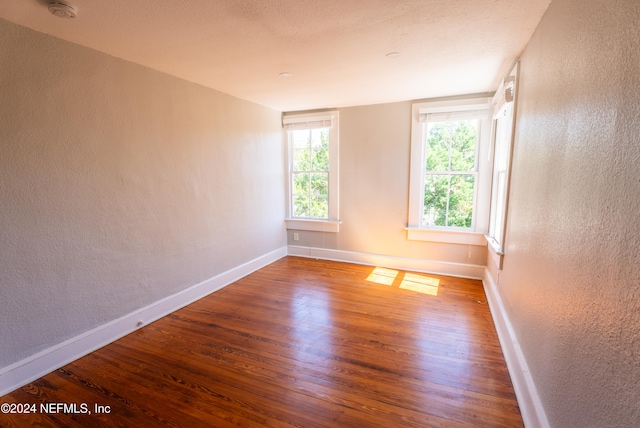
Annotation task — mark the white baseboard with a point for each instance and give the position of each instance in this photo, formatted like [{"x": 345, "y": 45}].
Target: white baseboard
[
  {"x": 533, "y": 413},
  {"x": 31, "y": 368},
  {"x": 460, "y": 270}
]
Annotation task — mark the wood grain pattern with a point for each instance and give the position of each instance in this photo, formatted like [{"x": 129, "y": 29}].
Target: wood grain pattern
[{"x": 302, "y": 343}]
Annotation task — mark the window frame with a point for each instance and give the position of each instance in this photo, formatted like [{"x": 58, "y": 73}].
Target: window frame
[
  {"x": 504, "y": 107},
  {"x": 416, "y": 230},
  {"x": 308, "y": 121}
]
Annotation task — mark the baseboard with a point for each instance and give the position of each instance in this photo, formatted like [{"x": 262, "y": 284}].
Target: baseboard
[
  {"x": 460, "y": 270},
  {"x": 31, "y": 368},
  {"x": 533, "y": 413}
]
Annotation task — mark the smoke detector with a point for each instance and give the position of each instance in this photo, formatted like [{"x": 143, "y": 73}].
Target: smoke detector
[{"x": 62, "y": 9}]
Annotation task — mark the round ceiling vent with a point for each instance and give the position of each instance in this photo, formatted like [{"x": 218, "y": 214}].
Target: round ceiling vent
[{"x": 62, "y": 10}]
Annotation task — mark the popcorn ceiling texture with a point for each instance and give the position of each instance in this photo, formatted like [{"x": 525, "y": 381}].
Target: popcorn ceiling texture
[
  {"x": 119, "y": 186},
  {"x": 571, "y": 278},
  {"x": 334, "y": 48}
]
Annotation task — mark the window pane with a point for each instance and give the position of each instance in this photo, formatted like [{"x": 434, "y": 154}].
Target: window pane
[
  {"x": 500, "y": 206},
  {"x": 301, "y": 138},
  {"x": 438, "y": 144},
  {"x": 463, "y": 148},
  {"x": 301, "y": 206},
  {"x": 461, "y": 200},
  {"x": 320, "y": 145},
  {"x": 320, "y": 159},
  {"x": 320, "y": 184},
  {"x": 301, "y": 161},
  {"x": 448, "y": 197},
  {"x": 451, "y": 146},
  {"x": 319, "y": 137},
  {"x": 448, "y": 200},
  {"x": 501, "y": 148},
  {"x": 301, "y": 184},
  {"x": 319, "y": 206},
  {"x": 436, "y": 188}
]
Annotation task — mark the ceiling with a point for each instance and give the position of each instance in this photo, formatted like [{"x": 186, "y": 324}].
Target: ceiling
[{"x": 335, "y": 50}]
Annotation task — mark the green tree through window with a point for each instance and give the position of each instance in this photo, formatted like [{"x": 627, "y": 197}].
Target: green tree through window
[
  {"x": 450, "y": 176},
  {"x": 310, "y": 173}
]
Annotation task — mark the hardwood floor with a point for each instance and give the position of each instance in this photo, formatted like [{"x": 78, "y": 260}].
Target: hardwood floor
[{"x": 302, "y": 343}]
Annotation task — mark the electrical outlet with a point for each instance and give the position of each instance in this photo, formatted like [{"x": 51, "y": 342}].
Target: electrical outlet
[{"x": 296, "y": 236}]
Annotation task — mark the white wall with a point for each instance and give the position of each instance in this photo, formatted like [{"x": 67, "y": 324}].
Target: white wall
[
  {"x": 119, "y": 186},
  {"x": 571, "y": 278}
]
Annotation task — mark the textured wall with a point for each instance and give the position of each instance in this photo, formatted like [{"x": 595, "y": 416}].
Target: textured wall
[
  {"x": 571, "y": 278},
  {"x": 375, "y": 143},
  {"x": 120, "y": 186}
]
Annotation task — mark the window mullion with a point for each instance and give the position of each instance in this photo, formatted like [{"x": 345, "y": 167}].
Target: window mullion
[
  {"x": 310, "y": 150},
  {"x": 446, "y": 215}
]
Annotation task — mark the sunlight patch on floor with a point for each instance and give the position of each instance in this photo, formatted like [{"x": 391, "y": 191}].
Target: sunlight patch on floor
[
  {"x": 410, "y": 281},
  {"x": 383, "y": 276},
  {"x": 420, "y": 284}
]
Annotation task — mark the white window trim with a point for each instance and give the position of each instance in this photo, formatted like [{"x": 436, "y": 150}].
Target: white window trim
[
  {"x": 495, "y": 252},
  {"x": 313, "y": 225},
  {"x": 446, "y": 236},
  {"x": 310, "y": 121},
  {"x": 480, "y": 223},
  {"x": 506, "y": 94}
]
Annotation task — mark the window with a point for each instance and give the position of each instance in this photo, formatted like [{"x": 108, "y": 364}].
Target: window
[
  {"x": 503, "y": 122},
  {"x": 312, "y": 141},
  {"x": 450, "y": 173},
  {"x": 310, "y": 173},
  {"x": 450, "y": 170}
]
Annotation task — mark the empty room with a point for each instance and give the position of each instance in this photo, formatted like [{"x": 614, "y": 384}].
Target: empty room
[{"x": 281, "y": 213}]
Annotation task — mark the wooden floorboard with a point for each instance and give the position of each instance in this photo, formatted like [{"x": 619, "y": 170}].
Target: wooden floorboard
[{"x": 299, "y": 343}]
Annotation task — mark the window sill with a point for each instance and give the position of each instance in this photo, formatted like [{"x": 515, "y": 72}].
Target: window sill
[
  {"x": 494, "y": 245},
  {"x": 332, "y": 226},
  {"x": 496, "y": 254},
  {"x": 446, "y": 236}
]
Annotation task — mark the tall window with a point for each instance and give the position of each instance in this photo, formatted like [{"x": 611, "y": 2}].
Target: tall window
[
  {"x": 312, "y": 141},
  {"x": 503, "y": 123},
  {"x": 450, "y": 171},
  {"x": 310, "y": 173}
]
